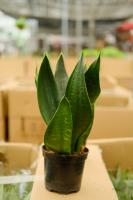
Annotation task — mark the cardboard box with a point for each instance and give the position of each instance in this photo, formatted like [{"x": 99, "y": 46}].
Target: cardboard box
[
  {"x": 24, "y": 66},
  {"x": 114, "y": 67},
  {"x": 2, "y": 129},
  {"x": 26, "y": 129},
  {"x": 117, "y": 67},
  {"x": 2, "y": 122},
  {"x": 19, "y": 156},
  {"x": 19, "y": 66},
  {"x": 112, "y": 122},
  {"x": 23, "y": 102},
  {"x": 1, "y": 105},
  {"x": 29, "y": 66},
  {"x": 96, "y": 183},
  {"x": 107, "y": 82},
  {"x": 5, "y": 86},
  {"x": 116, "y": 151},
  {"x": 11, "y": 67},
  {"x": 126, "y": 83},
  {"x": 25, "y": 121},
  {"x": 116, "y": 96}
]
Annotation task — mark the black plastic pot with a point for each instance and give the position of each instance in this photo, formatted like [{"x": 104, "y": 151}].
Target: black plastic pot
[{"x": 63, "y": 173}]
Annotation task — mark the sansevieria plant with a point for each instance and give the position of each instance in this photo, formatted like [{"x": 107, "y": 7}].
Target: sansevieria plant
[{"x": 67, "y": 104}]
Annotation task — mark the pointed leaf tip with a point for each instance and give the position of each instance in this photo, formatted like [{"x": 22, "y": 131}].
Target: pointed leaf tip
[
  {"x": 81, "y": 57},
  {"x": 92, "y": 80},
  {"x": 61, "y": 76},
  {"x": 47, "y": 91},
  {"x": 77, "y": 95}
]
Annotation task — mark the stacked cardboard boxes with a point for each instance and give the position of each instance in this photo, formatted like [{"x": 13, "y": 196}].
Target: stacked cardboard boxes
[
  {"x": 112, "y": 94},
  {"x": 26, "y": 125},
  {"x": 25, "y": 66},
  {"x": 116, "y": 151},
  {"x": 5, "y": 86},
  {"x": 119, "y": 68},
  {"x": 2, "y": 124},
  {"x": 116, "y": 96},
  {"x": 11, "y": 67},
  {"x": 112, "y": 122},
  {"x": 126, "y": 82},
  {"x": 107, "y": 82},
  {"x": 25, "y": 122},
  {"x": 19, "y": 156}
]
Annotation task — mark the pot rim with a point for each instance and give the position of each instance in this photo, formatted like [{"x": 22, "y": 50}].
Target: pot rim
[{"x": 52, "y": 153}]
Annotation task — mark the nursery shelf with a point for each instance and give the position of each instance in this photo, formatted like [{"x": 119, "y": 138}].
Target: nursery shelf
[{"x": 96, "y": 183}]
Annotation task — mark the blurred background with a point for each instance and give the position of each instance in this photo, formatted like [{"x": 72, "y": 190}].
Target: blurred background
[
  {"x": 65, "y": 25},
  {"x": 30, "y": 28}
]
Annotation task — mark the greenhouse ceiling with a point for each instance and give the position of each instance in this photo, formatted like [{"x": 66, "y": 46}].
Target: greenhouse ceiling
[{"x": 96, "y": 9}]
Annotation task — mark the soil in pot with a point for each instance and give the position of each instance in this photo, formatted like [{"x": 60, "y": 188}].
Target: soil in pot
[{"x": 63, "y": 173}]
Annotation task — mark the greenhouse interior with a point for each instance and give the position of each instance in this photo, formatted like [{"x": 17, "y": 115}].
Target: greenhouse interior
[{"x": 66, "y": 100}]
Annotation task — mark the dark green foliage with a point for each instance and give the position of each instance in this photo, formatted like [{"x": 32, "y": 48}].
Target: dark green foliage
[
  {"x": 67, "y": 106},
  {"x": 59, "y": 132},
  {"x": 92, "y": 80},
  {"x": 61, "y": 76},
  {"x": 47, "y": 91},
  {"x": 21, "y": 23},
  {"x": 123, "y": 183},
  {"x": 16, "y": 191},
  {"x": 77, "y": 95}
]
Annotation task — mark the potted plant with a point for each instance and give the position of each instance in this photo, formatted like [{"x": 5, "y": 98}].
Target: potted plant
[{"x": 67, "y": 106}]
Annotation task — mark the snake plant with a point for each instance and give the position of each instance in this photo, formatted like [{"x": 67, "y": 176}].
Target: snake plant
[{"x": 67, "y": 104}]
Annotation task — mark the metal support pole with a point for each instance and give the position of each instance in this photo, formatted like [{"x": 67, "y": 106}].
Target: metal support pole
[
  {"x": 64, "y": 27},
  {"x": 79, "y": 26},
  {"x": 92, "y": 39}
]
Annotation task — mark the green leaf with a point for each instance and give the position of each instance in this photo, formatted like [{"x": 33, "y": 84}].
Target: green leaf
[
  {"x": 76, "y": 92},
  {"x": 123, "y": 183},
  {"x": 59, "y": 131},
  {"x": 82, "y": 138},
  {"x": 27, "y": 197},
  {"x": 11, "y": 191},
  {"x": 1, "y": 191},
  {"x": 61, "y": 76},
  {"x": 92, "y": 80},
  {"x": 47, "y": 91}
]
